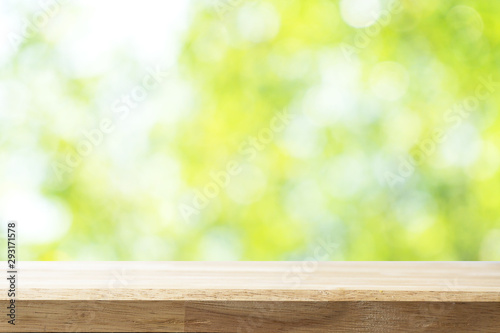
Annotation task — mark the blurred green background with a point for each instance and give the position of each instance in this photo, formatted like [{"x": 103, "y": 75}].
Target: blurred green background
[{"x": 387, "y": 145}]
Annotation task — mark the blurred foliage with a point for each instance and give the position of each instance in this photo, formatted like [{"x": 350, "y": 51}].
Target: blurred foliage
[{"x": 364, "y": 94}]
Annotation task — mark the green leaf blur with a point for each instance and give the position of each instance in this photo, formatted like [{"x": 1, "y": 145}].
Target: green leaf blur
[{"x": 376, "y": 135}]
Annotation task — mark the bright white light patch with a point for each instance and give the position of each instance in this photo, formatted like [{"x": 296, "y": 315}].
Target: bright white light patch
[
  {"x": 258, "y": 22},
  {"x": 360, "y": 13},
  {"x": 301, "y": 138},
  {"x": 40, "y": 220},
  {"x": 462, "y": 146},
  {"x": 95, "y": 35}
]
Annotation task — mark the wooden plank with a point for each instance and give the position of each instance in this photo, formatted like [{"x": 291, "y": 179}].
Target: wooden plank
[
  {"x": 224, "y": 316},
  {"x": 98, "y": 316},
  {"x": 265, "y": 317},
  {"x": 256, "y": 296}
]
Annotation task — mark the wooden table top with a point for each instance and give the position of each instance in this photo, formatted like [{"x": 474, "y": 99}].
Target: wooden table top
[{"x": 259, "y": 281}]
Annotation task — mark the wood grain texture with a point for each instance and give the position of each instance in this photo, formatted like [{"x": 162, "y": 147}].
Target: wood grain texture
[
  {"x": 256, "y": 297},
  {"x": 264, "y": 317}
]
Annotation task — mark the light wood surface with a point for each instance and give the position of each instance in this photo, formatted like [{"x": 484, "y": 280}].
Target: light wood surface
[{"x": 256, "y": 297}]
